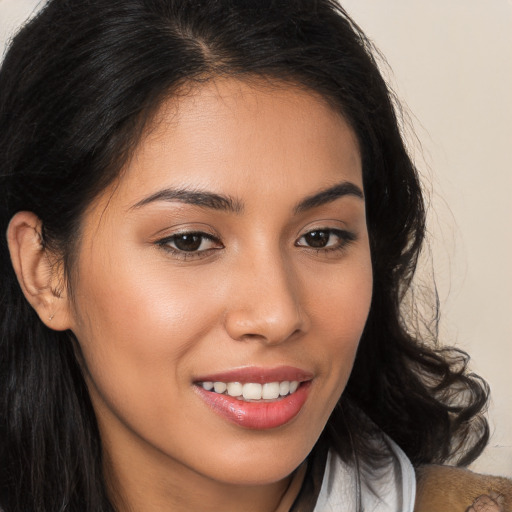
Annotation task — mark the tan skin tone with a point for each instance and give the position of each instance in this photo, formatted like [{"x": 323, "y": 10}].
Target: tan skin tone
[{"x": 151, "y": 318}]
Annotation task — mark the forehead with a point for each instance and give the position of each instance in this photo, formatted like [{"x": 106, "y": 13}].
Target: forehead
[{"x": 240, "y": 138}]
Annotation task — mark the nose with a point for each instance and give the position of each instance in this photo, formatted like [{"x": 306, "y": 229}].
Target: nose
[{"x": 265, "y": 302}]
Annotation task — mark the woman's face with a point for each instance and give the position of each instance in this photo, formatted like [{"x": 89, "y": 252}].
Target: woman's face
[{"x": 232, "y": 250}]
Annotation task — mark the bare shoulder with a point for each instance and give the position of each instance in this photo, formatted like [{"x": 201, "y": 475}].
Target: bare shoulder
[{"x": 452, "y": 489}]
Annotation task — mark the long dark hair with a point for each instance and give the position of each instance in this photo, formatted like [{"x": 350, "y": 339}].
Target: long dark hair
[{"x": 77, "y": 87}]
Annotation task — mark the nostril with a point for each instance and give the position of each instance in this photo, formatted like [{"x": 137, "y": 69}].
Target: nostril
[
  {"x": 263, "y": 327},
  {"x": 266, "y": 309},
  {"x": 270, "y": 337}
]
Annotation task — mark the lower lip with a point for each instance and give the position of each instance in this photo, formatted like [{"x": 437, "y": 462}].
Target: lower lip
[{"x": 257, "y": 415}]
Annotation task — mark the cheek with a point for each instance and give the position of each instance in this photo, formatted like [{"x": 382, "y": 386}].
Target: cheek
[
  {"x": 339, "y": 312},
  {"x": 339, "y": 299},
  {"x": 135, "y": 322}
]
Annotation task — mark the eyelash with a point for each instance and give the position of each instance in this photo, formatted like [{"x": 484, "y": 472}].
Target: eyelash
[
  {"x": 164, "y": 243},
  {"x": 344, "y": 239}
]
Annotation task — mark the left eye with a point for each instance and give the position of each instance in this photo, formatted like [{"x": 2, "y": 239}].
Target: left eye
[
  {"x": 190, "y": 242},
  {"x": 325, "y": 239}
]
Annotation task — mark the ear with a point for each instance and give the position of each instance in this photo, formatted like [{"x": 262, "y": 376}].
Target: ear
[{"x": 39, "y": 272}]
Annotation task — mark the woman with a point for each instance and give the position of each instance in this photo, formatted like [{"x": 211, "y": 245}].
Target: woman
[{"x": 211, "y": 223}]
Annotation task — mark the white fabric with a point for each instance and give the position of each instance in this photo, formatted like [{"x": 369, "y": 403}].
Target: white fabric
[{"x": 392, "y": 490}]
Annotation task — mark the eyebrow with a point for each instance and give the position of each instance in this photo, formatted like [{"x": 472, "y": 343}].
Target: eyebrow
[
  {"x": 329, "y": 195},
  {"x": 197, "y": 198},
  {"x": 229, "y": 204}
]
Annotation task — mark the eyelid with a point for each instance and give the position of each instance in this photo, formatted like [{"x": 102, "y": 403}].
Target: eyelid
[
  {"x": 345, "y": 237},
  {"x": 164, "y": 243}
]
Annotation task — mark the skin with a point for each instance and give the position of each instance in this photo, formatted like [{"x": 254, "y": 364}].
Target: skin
[{"x": 151, "y": 320}]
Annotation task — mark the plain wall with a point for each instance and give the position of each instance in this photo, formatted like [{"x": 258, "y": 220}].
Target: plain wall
[{"x": 452, "y": 67}]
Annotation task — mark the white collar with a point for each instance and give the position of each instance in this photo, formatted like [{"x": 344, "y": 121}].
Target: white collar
[{"x": 393, "y": 489}]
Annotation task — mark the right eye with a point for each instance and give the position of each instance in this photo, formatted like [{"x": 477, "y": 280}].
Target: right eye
[{"x": 190, "y": 243}]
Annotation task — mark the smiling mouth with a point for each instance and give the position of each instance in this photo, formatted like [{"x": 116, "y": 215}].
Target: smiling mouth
[{"x": 252, "y": 391}]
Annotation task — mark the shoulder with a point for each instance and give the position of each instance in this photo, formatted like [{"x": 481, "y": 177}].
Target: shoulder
[{"x": 452, "y": 489}]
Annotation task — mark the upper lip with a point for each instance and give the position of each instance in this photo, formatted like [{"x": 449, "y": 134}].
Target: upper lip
[{"x": 258, "y": 375}]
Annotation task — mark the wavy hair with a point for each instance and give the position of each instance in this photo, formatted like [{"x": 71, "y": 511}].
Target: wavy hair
[{"x": 78, "y": 85}]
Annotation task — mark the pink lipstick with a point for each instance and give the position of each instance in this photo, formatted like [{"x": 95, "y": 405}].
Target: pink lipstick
[{"x": 256, "y": 398}]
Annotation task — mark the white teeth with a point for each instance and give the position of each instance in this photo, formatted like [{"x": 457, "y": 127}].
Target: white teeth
[
  {"x": 253, "y": 390},
  {"x": 220, "y": 387},
  {"x": 235, "y": 389},
  {"x": 270, "y": 391},
  {"x": 284, "y": 388}
]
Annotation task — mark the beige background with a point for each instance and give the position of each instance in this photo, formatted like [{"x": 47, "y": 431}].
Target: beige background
[{"x": 452, "y": 66}]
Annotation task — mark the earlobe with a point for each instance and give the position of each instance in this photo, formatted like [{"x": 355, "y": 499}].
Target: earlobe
[{"x": 41, "y": 280}]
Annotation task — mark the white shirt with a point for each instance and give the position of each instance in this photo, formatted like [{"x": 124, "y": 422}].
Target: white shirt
[{"x": 391, "y": 489}]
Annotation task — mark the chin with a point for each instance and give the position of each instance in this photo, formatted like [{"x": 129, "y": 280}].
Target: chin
[{"x": 259, "y": 465}]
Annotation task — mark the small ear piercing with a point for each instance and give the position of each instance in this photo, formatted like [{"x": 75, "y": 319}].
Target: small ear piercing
[{"x": 50, "y": 318}]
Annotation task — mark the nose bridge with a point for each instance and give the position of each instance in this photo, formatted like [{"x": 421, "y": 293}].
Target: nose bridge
[{"x": 265, "y": 301}]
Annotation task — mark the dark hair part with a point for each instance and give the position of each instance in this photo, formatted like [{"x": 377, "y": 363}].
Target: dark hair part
[{"x": 77, "y": 87}]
